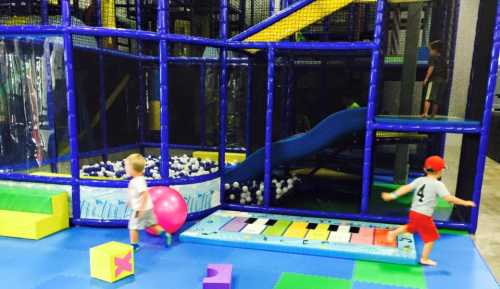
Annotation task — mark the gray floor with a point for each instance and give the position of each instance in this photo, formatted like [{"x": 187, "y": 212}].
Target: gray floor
[{"x": 488, "y": 233}]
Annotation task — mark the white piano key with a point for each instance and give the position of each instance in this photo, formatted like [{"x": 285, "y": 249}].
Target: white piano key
[{"x": 339, "y": 237}]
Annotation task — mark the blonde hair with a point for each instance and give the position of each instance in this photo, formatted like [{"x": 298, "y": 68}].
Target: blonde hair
[{"x": 137, "y": 162}]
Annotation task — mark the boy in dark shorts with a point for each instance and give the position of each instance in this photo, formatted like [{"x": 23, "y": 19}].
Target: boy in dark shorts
[
  {"x": 435, "y": 79},
  {"x": 427, "y": 189}
]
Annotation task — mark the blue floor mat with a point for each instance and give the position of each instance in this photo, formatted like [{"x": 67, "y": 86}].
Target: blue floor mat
[{"x": 62, "y": 261}]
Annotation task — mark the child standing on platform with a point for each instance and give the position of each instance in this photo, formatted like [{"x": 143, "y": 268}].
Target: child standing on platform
[
  {"x": 140, "y": 202},
  {"x": 435, "y": 82},
  {"x": 426, "y": 189}
]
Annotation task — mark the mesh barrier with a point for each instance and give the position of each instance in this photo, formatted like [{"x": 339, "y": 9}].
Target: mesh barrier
[
  {"x": 397, "y": 21},
  {"x": 308, "y": 88},
  {"x": 29, "y": 12},
  {"x": 436, "y": 21},
  {"x": 32, "y": 102},
  {"x": 390, "y": 171}
]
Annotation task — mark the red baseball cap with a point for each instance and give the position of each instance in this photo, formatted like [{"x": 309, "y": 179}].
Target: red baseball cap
[{"x": 434, "y": 163}]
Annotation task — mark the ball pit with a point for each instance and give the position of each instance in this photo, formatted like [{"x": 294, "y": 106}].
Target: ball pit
[
  {"x": 180, "y": 166},
  {"x": 251, "y": 192}
]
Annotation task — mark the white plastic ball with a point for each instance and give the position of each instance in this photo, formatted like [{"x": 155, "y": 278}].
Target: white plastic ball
[
  {"x": 244, "y": 188},
  {"x": 227, "y": 186},
  {"x": 258, "y": 193},
  {"x": 232, "y": 197},
  {"x": 236, "y": 185}
]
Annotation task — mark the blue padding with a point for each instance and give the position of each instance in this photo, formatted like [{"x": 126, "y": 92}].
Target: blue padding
[
  {"x": 417, "y": 120},
  {"x": 333, "y": 128}
]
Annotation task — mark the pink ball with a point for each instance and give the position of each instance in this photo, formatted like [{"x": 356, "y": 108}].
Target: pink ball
[
  {"x": 155, "y": 192},
  {"x": 170, "y": 208}
]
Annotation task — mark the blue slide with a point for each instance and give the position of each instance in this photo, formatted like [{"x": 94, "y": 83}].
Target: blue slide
[{"x": 333, "y": 128}]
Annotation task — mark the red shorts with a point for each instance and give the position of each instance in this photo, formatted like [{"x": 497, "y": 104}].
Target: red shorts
[{"x": 423, "y": 225}]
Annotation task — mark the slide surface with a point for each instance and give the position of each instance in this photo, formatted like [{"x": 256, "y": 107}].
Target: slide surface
[
  {"x": 290, "y": 20},
  {"x": 297, "y": 17},
  {"x": 333, "y": 128}
]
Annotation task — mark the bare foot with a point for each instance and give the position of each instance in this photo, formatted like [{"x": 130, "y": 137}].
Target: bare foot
[
  {"x": 428, "y": 262},
  {"x": 391, "y": 236},
  {"x": 423, "y": 115}
]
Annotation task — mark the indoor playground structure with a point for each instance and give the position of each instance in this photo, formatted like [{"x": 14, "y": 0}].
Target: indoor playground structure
[{"x": 279, "y": 122}]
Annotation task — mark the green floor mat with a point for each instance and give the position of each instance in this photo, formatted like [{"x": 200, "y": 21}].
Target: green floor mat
[
  {"x": 303, "y": 281},
  {"x": 453, "y": 232},
  {"x": 390, "y": 274}
]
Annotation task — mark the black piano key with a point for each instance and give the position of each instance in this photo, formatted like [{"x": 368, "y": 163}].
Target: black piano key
[
  {"x": 250, "y": 220},
  {"x": 311, "y": 226},
  {"x": 271, "y": 222},
  {"x": 333, "y": 228},
  {"x": 354, "y": 230}
]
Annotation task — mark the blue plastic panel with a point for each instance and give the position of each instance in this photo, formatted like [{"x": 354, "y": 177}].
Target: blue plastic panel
[{"x": 416, "y": 123}]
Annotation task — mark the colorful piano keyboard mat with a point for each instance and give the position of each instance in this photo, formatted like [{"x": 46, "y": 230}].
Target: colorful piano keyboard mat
[{"x": 303, "y": 235}]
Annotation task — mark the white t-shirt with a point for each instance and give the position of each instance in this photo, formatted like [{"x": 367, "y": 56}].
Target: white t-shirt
[
  {"x": 138, "y": 194},
  {"x": 426, "y": 190}
]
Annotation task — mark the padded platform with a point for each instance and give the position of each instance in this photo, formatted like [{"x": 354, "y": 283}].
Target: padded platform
[
  {"x": 27, "y": 225},
  {"x": 32, "y": 213},
  {"x": 445, "y": 123},
  {"x": 303, "y": 235}
]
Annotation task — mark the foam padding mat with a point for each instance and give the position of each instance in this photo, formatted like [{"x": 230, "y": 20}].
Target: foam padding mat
[
  {"x": 303, "y": 235},
  {"x": 302, "y": 281}
]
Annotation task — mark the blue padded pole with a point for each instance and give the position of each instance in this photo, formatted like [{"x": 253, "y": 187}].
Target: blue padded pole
[
  {"x": 147, "y": 35},
  {"x": 203, "y": 103},
  {"x": 140, "y": 78},
  {"x": 289, "y": 103},
  {"x": 51, "y": 109},
  {"x": 248, "y": 120},
  {"x": 102, "y": 93},
  {"x": 223, "y": 94},
  {"x": 269, "y": 127},
  {"x": 483, "y": 142},
  {"x": 372, "y": 100},
  {"x": 163, "y": 24},
  {"x": 284, "y": 100},
  {"x": 271, "y": 7},
  {"x": 72, "y": 110},
  {"x": 45, "y": 11}
]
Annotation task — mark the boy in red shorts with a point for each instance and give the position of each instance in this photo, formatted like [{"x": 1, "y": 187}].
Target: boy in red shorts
[{"x": 426, "y": 189}]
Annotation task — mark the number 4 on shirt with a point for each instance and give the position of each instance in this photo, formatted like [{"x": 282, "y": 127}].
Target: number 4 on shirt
[{"x": 420, "y": 193}]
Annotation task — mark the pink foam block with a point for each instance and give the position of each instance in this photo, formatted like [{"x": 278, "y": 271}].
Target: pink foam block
[
  {"x": 218, "y": 276},
  {"x": 365, "y": 236}
]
